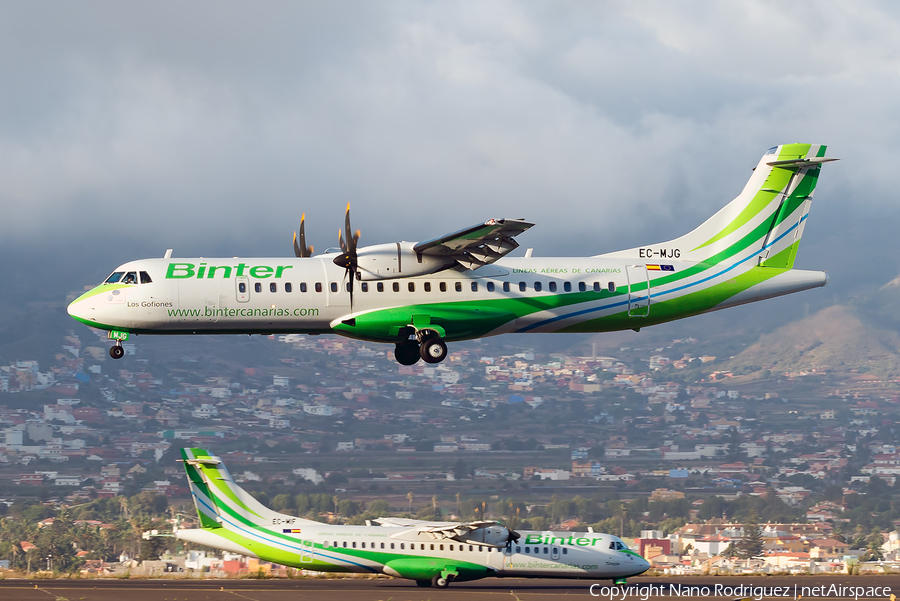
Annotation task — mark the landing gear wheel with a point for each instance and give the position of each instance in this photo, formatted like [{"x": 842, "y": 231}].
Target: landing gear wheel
[
  {"x": 116, "y": 352},
  {"x": 407, "y": 353},
  {"x": 433, "y": 350},
  {"x": 440, "y": 582},
  {"x": 423, "y": 583}
]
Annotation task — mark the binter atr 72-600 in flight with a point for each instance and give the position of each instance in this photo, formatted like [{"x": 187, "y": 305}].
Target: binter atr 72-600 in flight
[{"x": 421, "y": 295}]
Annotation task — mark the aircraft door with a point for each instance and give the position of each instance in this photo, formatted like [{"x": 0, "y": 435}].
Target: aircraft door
[
  {"x": 242, "y": 289},
  {"x": 306, "y": 551},
  {"x": 638, "y": 290}
]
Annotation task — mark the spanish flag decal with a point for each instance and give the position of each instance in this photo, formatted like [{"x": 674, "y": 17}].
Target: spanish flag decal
[{"x": 291, "y": 530}]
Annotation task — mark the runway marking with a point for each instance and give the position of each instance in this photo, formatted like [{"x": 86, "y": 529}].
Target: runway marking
[{"x": 237, "y": 594}]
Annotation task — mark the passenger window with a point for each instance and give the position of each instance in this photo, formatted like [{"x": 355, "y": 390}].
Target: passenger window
[
  {"x": 443, "y": 286},
  {"x": 411, "y": 286},
  {"x": 505, "y": 286},
  {"x": 596, "y": 286},
  {"x": 518, "y": 549},
  {"x": 396, "y": 286},
  {"x": 334, "y": 286},
  {"x": 392, "y": 545},
  {"x": 302, "y": 286},
  {"x": 611, "y": 286},
  {"x": 582, "y": 286},
  {"x": 273, "y": 287},
  {"x": 458, "y": 286},
  {"x": 546, "y": 550},
  {"x": 363, "y": 545},
  {"x": 242, "y": 288},
  {"x": 380, "y": 286},
  {"x": 318, "y": 286},
  {"x": 474, "y": 286},
  {"x": 470, "y": 547},
  {"x": 522, "y": 286},
  {"x": 451, "y": 547},
  {"x": 537, "y": 286},
  {"x": 348, "y": 286},
  {"x": 288, "y": 287},
  {"x": 432, "y": 547},
  {"x": 490, "y": 286},
  {"x": 382, "y": 545},
  {"x": 354, "y": 544},
  {"x": 567, "y": 286},
  {"x": 130, "y": 278},
  {"x": 528, "y": 550},
  {"x": 364, "y": 286},
  {"x": 441, "y": 547},
  {"x": 402, "y": 545},
  {"x": 565, "y": 551},
  {"x": 427, "y": 286},
  {"x": 552, "y": 286},
  {"x": 257, "y": 286},
  {"x": 115, "y": 277},
  {"x": 345, "y": 544},
  {"x": 145, "y": 278}
]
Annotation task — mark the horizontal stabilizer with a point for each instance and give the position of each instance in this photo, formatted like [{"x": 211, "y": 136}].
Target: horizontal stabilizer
[{"x": 800, "y": 163}]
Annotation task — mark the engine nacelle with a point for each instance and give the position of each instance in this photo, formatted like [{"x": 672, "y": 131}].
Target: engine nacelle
[
  {"x": 397, "y": 260},
  {"x": 494, "y": 535}
]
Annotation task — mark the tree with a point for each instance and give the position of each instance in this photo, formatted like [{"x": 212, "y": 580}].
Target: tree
[
  {"x": 752, "y": 543},
  {"x": 873, "y": 546}
]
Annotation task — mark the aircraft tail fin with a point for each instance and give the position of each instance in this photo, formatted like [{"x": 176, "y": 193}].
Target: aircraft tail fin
[
  {"x": 218, "y": 498},
  {"x": 767, "y": 217}
]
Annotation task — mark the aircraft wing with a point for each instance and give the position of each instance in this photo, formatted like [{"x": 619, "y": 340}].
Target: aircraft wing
[
  {"x": 456, "y": 529},
  {"x": 409, "y": 522},
  {"x": 478, "y": 245}
]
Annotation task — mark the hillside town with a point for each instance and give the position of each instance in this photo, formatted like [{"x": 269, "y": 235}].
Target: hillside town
[{"x": 660, "y": 443}]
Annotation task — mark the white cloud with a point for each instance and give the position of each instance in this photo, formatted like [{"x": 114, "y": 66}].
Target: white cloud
[{"x": 608, "y": 124}]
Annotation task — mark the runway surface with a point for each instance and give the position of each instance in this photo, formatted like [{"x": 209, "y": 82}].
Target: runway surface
[{"x": 514, "y": 589}]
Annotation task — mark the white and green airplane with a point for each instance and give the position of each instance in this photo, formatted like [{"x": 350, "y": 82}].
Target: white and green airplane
[
  {"x": 431, "y": 553},
  {"x": 420, "y": 295}
]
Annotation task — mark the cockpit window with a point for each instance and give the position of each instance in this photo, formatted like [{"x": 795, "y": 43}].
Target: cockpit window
[
  {"x": 616, "y": 546},
  {"x": 115, "y": 277},
  {"x": 130, "y": 278},
  {"x": 145, "y": 278},
  {"x": 772, "y": 150}
]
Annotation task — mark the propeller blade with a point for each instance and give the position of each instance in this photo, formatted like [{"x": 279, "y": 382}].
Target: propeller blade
[
  {"x": 348, "y": 258},
  {"x": 300, "y": 247}
]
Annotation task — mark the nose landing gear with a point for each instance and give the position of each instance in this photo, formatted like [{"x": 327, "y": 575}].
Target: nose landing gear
[
  {"x": 427, "y": 345},
  {"x": 117, "y": 352}
]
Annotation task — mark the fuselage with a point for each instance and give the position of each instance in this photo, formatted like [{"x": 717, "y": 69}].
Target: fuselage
[
  {"x": 402, "y": 552},
  {"x": 311, "y": 296}
]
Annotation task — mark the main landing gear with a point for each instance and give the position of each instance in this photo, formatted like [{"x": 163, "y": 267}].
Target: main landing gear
[
  {"x": 427, "y": 346},
  {"x": 438, "y": 581},
  {"x": 117, "y": 351}
]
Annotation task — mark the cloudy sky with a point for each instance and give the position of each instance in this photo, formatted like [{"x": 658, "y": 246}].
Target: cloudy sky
[{"x": 210, "y": 127}]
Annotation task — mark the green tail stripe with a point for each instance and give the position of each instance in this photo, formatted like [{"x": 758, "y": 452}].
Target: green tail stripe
[{"x": 775, "y": 182}]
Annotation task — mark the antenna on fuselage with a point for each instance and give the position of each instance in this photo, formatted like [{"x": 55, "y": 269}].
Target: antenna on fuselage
[{"x": 168, "y": 254}]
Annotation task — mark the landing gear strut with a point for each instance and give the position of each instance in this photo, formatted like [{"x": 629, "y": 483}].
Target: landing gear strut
[
  {"x": 440, "y": 582},
  {"x": 116, "y": 351}
]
